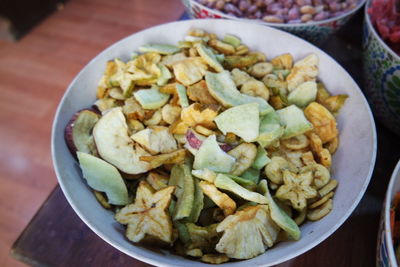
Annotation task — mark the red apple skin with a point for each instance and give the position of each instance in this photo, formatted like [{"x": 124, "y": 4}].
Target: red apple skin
[
  {"x": 68, "y": 134},
  {"x": 225, "y": 147},
  {"x": 195, "y": 142}
]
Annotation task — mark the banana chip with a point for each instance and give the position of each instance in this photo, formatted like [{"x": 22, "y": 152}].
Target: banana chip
[
  {"x": 214, "y": 258},
  {"x": 321, "y": 201},
  {"x": 321, "y": 211},
  {"x": 330, "y": 186}
]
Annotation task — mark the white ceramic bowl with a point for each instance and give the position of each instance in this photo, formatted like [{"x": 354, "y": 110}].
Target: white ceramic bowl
[
  {"x": 385, "y": 251},
  {"x": 352, "y": 164}
]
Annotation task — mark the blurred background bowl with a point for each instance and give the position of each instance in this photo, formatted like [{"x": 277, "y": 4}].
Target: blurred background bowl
[
  {"x": 382, "y": 76},
  {"x": 316, "y": 32},
  {"x": 385, "y": 255}
]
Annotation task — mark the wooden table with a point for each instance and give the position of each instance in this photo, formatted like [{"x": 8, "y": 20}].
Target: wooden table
[{"x": 57, "y": 237}]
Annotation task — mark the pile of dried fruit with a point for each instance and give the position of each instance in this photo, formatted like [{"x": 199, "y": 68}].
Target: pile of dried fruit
[
  {"x": 209, "y": 148},
  {"x": 283, "y": 11},
  {"x": 385, "y": 16}
]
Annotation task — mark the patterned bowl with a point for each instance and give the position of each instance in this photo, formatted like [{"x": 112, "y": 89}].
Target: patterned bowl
[
  {"x": 385, "y": 255},
  {"x": 382, "y": 77},
  {"x": 316, "y": 32}
]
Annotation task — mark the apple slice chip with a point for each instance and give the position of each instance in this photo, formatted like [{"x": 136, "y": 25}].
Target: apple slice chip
[
  {"x": 212, "y": 157},
  {"x": 241, "y": 120},
  {"x": 115, "y": 146}
]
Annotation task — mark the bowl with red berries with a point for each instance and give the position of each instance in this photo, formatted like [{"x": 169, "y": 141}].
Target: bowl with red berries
[{"x": 381, "y": 57}]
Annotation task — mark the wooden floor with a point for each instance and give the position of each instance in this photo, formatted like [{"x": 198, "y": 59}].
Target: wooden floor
[{"x": 34, "y": 73}]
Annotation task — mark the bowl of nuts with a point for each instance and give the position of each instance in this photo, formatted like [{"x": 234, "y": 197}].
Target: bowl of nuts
[{"x": 313, "y": 20}]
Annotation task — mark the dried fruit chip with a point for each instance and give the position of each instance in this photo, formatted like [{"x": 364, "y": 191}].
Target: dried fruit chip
[
  {"x": 222, "y": 47},
  {"x": 245, "y": 155},
  {"x": 208, "y": 56},
  {"x": 154, "y": 120},
  {"x": 157, "y": 181},
  {"x": 308, "y": 158},
  {"x": 335, "y": 103},
  {"x": 304, "y": 70},
  {"x": 255, "y": 88},
  {"x": 225, "y": 182},
  {"x": 105, "y": 104},
  {"x": 203, "y": 130},
  {"x": 321, "y": 201},
  {"x": 179, "y": 127},
  {"x": 200, "y": 114},
  {"x": 175, "y": 157},
  {"x": 321, "y": 175},
  {"x": 190, "y": 70},
  {"x": 259, "y": 70},
  {"x": 214, "y": 258},
  {"x": 247, "y": 233},
  {"x": 274, "y": 169},
  {"x": 147, "y": 216},
  {"x": 240, "y": 77},
  {"x": 169, "y": 88},
  {"x": 284, "y": 61},
  {"x": 297, "y": 142},
  {"x": 156, "y": 139},
  {"x": 198, "y": 92},
  {"x": 221, "y": 199},
  {"x": 101, "y": 198},
  {"x": 170, "y": 113},
  {"x": 172, "y": 59},
  {"x": 144, "y": 69},
  {"x": 320, "y": 211},
  {"x": 329, "y": 187},
  {"x": 297, "y": 189},
  {"x": 133, "y": 110},
  {"x": 115, "y": 146},
  {"x": 332, "y": 145},
  {"x": 323, "y": 121},
  {"x": 232, "y": 62}
]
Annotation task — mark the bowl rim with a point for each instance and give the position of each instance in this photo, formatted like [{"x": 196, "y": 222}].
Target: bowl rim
[
  {"x": 282, "y": 25},
  {"x": 388, "y": 204},
  {"x": 153, "y": 261},
  {"x": 371, "y": 27}
]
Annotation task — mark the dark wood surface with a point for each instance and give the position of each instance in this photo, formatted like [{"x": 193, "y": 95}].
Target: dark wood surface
[{"x": 57, "y": 237}]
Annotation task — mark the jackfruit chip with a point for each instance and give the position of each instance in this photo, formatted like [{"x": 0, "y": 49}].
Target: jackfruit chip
[
  {"x": 190, "y": 70},
  {"x": 247, "y": 233}
]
